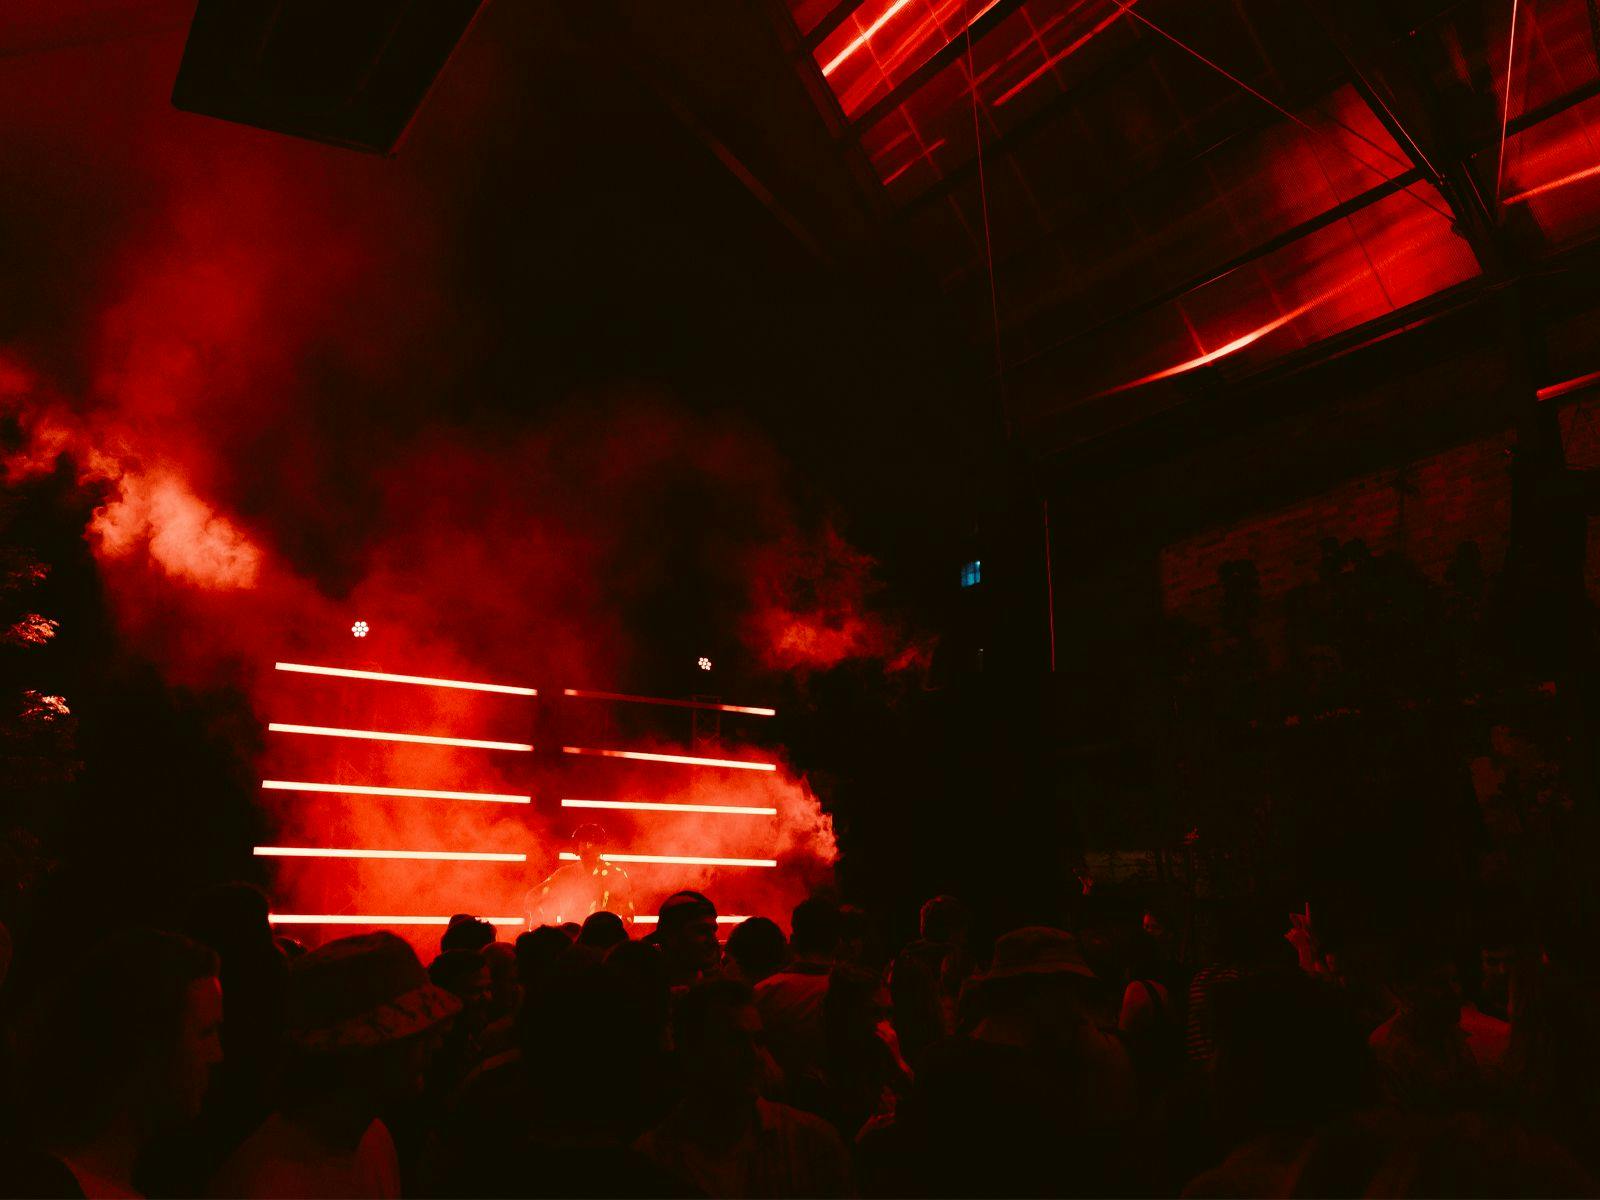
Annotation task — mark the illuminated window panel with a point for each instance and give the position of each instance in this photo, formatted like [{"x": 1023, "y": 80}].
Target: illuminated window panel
[
  {"x": 1387, "y": 256},
  {"x": 808, "y": 14},
  {"x": 884, "y": 42},
  {"x": 1550, "y": 192}
]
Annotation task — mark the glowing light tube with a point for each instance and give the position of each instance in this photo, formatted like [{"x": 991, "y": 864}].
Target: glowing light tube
[
  {"x": 362, "y": 789},
  {"x": 423, "y": 680},
  {"x": 421, "y": 739},
  {"x": 373, "y": 919},
  {"x": 865, "y": 36},
  {"x": 688, "y": 860},
  {"x": 442, "y": 855},
  {"x": 651, "y": 806},
  {"x": 1554, "y": 184},
  {"x": 685, "y": 759},
  {"x": 720, "y": 920},
  {"x": 748, "y": 710}
]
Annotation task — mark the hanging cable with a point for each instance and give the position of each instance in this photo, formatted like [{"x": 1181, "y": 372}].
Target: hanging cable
[
  {"x": 1128, "y": 8},
  {"x": 1505, "y": 106}
]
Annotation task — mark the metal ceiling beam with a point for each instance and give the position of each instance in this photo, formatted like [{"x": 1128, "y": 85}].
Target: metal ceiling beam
[{"x": 1404, "y": 103}]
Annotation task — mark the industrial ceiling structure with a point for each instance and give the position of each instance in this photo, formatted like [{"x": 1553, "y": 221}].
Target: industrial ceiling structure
[{"x": 1123, "y": 192}]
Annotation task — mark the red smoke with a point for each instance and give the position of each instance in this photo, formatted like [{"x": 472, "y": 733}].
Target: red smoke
[{"x": 251, "y": 348}]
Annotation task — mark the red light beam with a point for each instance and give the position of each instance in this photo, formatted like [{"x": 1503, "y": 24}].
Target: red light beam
[
  {"x": 1565, "y": 181},
  {"x": 701, "y": 704},
  {"x": 423, "y": 680},
  {"x": 864, "y": 37},
  {"x": 441, "y": 855},
  {"x": 652, "y": 806},
  {"x": 373, "y": 735},
  {"x": 372, "y": 919},
  {"x": 360, "y": 789},
  {"x": 684, "y": 759},
  {"x": 687, "y": 860}
]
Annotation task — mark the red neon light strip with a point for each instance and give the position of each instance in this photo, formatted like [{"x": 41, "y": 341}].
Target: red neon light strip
[
  {"x": 705, "y": 704},
  {"x": 865, "y": 36},
  {"x": 651, "y": 806},
  {"x": 374, "y": 919},
  {"x": 1556, "y": 390},
  {"x": 358, "y": 789},
  {"x": 1541, "y": 189},
  {"x": 442, "y": 855},
  {"x": 720, "y": 920},
  {"x": 688, "y": 860},
  {"x": 373, "y": 735},
  {"x": 424, "y": 680},
  {"x": 685, "y": 759},
  {"x": 1034, "y": 75}
]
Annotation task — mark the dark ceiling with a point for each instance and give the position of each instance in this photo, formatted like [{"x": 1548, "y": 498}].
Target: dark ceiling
[{"x": 1137, "y": 193}]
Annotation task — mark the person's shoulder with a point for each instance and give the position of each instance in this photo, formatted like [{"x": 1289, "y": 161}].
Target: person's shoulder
[{"x": 777, "y": 1115}]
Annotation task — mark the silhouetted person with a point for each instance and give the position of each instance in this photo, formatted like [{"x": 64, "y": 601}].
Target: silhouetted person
[
  {"x": 790, "y": 1000},
  {"x": 363, "y": 1024},
  {"x": 756, "y": 949},
  {"x": 925, "y": 978},
  {"x": 602, "y": 931},
  {"x": 686, "y": 934},
  {"x": 1037, "y": 1100},
  {"x": 572, "y": 891},
  {"x": 121, "y": 1053},
  {"x": 467, "y": 932},
  {"x": 859, "y": 1077},
  {"x": 723, "y": 1138}
]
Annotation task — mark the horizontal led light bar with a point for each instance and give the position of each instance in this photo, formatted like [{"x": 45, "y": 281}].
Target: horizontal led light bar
[
  {"x": 374, "y": 735},
  {"x": 423, "y": 680},
  {"x": 361, "y": 789},
  {"x": 685, "y": 759},
  {"x": 688, "y": 860},
  {"x": 651, "y": 806},
  {"x": 720, "y": 920},
  {"x": 748, "y": 710},
  {"x": 374, "y": 919},
  {"x": 443, "y": 855}
]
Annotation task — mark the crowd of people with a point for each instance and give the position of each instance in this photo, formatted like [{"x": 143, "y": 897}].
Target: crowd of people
[{"x": 580, "y": 1060}]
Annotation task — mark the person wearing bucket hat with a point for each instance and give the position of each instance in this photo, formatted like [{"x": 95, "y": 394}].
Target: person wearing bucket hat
[
  {"x": 363, "y": 1021},
  {"x": 577, "y": 890},
  {"x": 1035, "y": 1081}
]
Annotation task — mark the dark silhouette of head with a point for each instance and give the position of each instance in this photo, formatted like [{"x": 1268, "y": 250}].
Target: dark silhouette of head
[
  {"x": 588, "y": 841},
  {"x": 131, "y": 1031},
  {"x": 467, "y": 932},
  {"x": 945, "y": 919},
  {"x": 757, "y": 948},
  {"x": 814, "y": 928},
  {"x": 686, "y": 931},
  {"x": 602, "y": 930}
]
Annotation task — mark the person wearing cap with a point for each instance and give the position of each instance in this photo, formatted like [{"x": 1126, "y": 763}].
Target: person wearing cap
[
  {"x": 363, "y": 1021},
  {"x": 1047, "y": 1094},
  {"x": 576, "y": 890},
  {"x": 686, "y": 935}
]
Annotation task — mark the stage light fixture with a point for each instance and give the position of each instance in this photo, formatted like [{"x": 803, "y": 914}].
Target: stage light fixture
[
  {"x": 720, "y": 920},
  {"x": 361, "y": 789},
  {"x": 361, "y": 629},
  {"x": 652, "y": 806},
  {"x": 705, "y": 663},
  {"x": 709, "y": 706},
  {"x": 439, "y": 855},
  {"x": 683, "y": 759},
  {"x": 687, "y": 860},
  {"x": 373, "y": 735},
  {"x": 372, "y": 919},
  {"x": 422, "y": 680}
]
